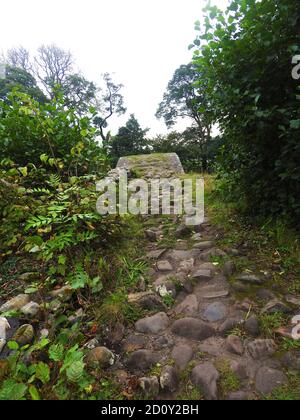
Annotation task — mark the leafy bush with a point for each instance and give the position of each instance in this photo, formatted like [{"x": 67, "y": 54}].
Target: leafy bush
[
  {"x": 186, "y": 145},
  {"x": 66, "y": 378},
  {"x": 245, "y": 58},
  {"x": 67, "y": 142},
  {"x": 53, "y": 221}
]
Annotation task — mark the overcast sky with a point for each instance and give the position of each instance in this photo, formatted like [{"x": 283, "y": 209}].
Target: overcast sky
[{"x": 141, "y": 41}]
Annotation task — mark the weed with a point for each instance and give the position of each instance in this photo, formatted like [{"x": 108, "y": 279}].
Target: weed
[
  {"x": 156, "y": 370},
  {"x": 289, "y": 392},
  {"x": 116, "y": 308},
  {"x": 289, "y": 344},
  {"x": 185, "y": 374},
  {"x": 271, "y": 322},
  {"x": 228, "y": 381},
  {"x": 168, "y": 300},
  {"x": 190, "y": 393},
  {"x": 237, "y": 331}
]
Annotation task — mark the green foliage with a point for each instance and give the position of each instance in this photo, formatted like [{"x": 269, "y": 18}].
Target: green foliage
[
  {"x": 289, "y": 392},
  {"x": 12, "y": 390},
  {"x": 271, "y": 322},
  {"x": 32, "y": 381},
  {"x": 112, "y": 103},
  {"x": 53, "y": 222},
  {"x": 130, "y": 140},
  {"x": 245, "y": 58},
  {"x": 290, "y": 344},
  {"x": 31, "y": 131},
  {"x": 115, "y": 308},
  {"x": 168, "y": 300},
  {"x": 186, "y": 98},
  {"x": 186, "y": 145},
  {"x": 17, "y": 78},
  {"x": 228, "y": 381}
]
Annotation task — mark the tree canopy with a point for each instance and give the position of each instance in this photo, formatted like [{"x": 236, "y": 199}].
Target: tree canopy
[
  {"x": 244, "y": 57},
  {"x": 130, "y": 140}
]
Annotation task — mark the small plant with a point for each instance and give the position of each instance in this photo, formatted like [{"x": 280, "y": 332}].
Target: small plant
[
  {"x": 270, "y": 322},
  {"x": 289, "y": 344},
  {"x": 289, "y": 392},
  {"x": 237, "y": 331},
  {"x": 190, "y": 393},
  {"x": 168, "y": 300},
  {"x": 228, "y": 381},
  {"x": 185, "y": 374},
  {"x": 131, "y": 271},
  {"x": 116, "y": 308},
  {"x": 63, "y": 370},
  {"x": 156, "y": 370}
]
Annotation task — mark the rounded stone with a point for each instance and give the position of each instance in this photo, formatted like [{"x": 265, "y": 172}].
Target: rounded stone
[
  {"x": 291, "y": 359},
  {"x": 151, "y": 235},
  {"x": 64, "y": 293},
  {"x": 147, "y": 300},
  {"x": 150, "y": 386},
  {"x": 182, "y": 355},
  {"x": 163, "y": 342},
  {"x": 252, "y": 326},
  {"x": 189, "y": 306},
  {"x": 215, "y": 312},
  {"x": 276, "y": 306},
  {"x": 164, "y": 266},
  {"x": 260, "y": 349},
  {"x": 142, "y": 360},
  {"x": 169, "y": 379},
  {"x": 267, "y": 380},
  {"x": 205, "y": 377},
  {"x": 229, "y": 268},
  {"x": 100, "y": 357},
  {"x": 134, "y": 342},
  {"x": 229, "y": 324},
  {"x": 235, "y": 345},
  {"x": 24, "y": 335},
  {"x": 240, "y": 287},
  {"x": 31, "y": 309},
  {"x": 164, "y": 285},
  {"x": 193, "y": 329},
  {"x": 250, "y": 279},
  {"x": 153, "y": 324},
  {"x": 15, "y": 303}
]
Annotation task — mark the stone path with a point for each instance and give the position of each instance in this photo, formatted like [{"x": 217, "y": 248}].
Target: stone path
[
  {"x": 193, "y": 338},
  {"x": 200, "y": 337}
]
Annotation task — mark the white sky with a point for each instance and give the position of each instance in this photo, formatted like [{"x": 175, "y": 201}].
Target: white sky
[{"x": 141, "y": 41}]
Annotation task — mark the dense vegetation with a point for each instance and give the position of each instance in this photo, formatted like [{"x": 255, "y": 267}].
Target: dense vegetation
[
  {"x": 50, "y": 232},
  {"x": 245, "y": 59},
  {"x": 55, "y": 144}
]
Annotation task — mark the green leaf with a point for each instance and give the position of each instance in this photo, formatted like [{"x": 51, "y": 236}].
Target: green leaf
[
  {"x": 79, "y": 279},
  {"x": 84, "y": 133},
  {"x": 295, "y": 124},
  {"x": 12, "y": 390},
  {"x": 24, "y": 171},
  {"x": 12, "y": 345},
  {"x": 43, "y": 372},
  {"x": 75, "y": 371},
  {"x": 62, "y": 259},
  {"x": 56, "y": 352},
  {"x": 34, "y": 393},
  {"x": 31, "y": 290},
  {"x": 72, "y": 356}
]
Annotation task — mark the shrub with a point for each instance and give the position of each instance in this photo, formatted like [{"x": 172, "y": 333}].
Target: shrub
[{"x": 245, "y": 56}]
